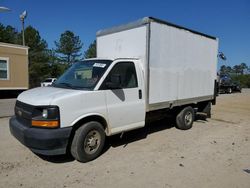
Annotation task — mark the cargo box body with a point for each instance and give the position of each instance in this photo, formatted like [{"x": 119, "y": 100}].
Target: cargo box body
[{"x": 179, "y": 64}]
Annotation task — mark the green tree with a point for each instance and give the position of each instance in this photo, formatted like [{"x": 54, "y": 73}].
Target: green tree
[
  {"x": 52, "y": 56},
  {"x": 223, "y": 69},
  {"x": 229, "y": 69},
  {"x": 237, "y": 69},
  {"x": 8, "y": 34},
  {"x": 243, "y": 67},
  {"x": 37, "y": 45},
  {"x": 56, "y": 67},
  {"x": 69, "y": 46},
  {"x": 243, "y": 79},
  {"x": 91, "y": 51},
  {"x": 42, "y": 62},
  {"x": 38, "y": 57},
  {"x": 248, "y": 70}
]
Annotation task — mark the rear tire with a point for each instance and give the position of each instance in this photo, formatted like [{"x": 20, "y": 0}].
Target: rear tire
[
  {"x": 185, "y": 118},
  {"x": 88, "y": 142}
]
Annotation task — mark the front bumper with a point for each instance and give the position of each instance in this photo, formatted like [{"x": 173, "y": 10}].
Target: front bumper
[{"x": 40, "y": 140}]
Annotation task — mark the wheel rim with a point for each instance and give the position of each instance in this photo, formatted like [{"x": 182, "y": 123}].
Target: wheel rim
[
  {"x": 92, "y": 142},
  {"x": 188, "y": 118}
]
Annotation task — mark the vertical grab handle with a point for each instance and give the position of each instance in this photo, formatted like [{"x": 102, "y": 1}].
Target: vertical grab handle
[{"x": 140, "y": 94}]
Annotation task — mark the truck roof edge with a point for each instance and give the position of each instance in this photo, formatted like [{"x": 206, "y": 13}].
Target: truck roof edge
[{"x": 144, "y": 21}]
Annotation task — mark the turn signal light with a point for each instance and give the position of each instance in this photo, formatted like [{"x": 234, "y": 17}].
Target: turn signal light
[{"x": 49, "y": 124}]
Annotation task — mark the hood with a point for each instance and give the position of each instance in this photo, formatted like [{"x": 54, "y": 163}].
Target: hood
[{"x": 45, "y": 95}]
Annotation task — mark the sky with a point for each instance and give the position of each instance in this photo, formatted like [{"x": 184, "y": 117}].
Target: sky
[{"x": 229, "y": 20}]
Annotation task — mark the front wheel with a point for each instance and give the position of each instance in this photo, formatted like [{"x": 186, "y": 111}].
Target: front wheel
[
  {"x": 185, "y": 118},
  {"x": 88, "y": 141}
]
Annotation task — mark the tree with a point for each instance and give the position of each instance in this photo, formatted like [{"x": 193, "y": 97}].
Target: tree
[
  {"x": 91, "y": 51},
  {"x": 38, "y": 58},
  {"x": 243, "y": 67},
  {"x": 69, "y": 45},
  {"x": 37, "y": 45},
  {"x": 223, "y": 69},
  {"x": 42, "y": 61},
  {"x": 243, "y": 79},
  {"x": 237, "y": 69},
  {"x": 248, "y": 70},
  {"x": 8, "y": 34},
  {"x": 229, "y": 69},
  {"x": 239, "y": 73},
  {"x": 52, "y": 56},
  {"x": 56, "y": 67}
]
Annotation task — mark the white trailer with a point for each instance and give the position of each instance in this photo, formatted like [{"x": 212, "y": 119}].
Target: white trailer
[
  {"x": 179, "y": 64},
  {"x": 143, "y": 70}
]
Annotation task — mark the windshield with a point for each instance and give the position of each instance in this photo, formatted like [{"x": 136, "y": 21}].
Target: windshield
[{"x": 83, "y": 75}]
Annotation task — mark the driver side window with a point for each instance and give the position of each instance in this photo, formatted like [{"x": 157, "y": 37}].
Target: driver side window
[{"x": 128, "y": 75}]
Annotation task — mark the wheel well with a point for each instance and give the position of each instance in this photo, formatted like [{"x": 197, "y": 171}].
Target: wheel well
[
  {"x": 177, "y": 109},
  {"x": 78, "y": 124}
]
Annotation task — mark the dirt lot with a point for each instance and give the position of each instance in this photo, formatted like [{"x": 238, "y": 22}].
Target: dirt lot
[
  {"x": 214, "y": 153},
  {"x": 7, "y": 107}
]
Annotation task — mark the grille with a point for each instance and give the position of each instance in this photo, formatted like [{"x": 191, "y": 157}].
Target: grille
[{"x": 23, "y": 113}]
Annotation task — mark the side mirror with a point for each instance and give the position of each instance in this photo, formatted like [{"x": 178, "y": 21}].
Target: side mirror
[{"x": 115, "y": 82}]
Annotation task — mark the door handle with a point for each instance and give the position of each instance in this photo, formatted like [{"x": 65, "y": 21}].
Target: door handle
[{"x": 140, "y": 94}]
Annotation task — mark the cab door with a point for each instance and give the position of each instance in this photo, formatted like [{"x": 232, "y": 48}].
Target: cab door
[{"x": 126, "y": 104}]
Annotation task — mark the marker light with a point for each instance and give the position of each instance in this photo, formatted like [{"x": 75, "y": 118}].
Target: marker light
[{"x": 45, "y": 124}]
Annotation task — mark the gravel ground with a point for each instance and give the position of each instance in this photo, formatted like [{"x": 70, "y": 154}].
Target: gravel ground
[
  {"x": 214, "y": 153},
  {"x": 7, "y": 107}
]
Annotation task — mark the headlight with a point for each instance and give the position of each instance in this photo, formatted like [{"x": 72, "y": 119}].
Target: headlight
[
  {"x": 45, "y": 113},
  {"x": 47, "y": 117}
]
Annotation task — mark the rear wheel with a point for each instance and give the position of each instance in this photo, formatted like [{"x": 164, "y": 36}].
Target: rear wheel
[
  {"x": 88, "y": 142},
  {"x": 185, "y": 118}
]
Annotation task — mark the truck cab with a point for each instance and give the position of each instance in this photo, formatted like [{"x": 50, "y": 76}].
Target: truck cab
[{"x": 95, "y": 98}]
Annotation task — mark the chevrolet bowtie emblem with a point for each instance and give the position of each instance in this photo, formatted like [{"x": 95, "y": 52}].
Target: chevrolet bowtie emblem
[{"x": 19, "y": 112}]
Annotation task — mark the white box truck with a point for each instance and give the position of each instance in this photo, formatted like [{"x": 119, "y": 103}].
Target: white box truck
[{"x": 143, "y": 69}]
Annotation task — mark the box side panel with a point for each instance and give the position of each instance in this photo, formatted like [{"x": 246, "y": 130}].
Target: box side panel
[
  {"x": 17, "y": 69},
  {"x": 125, "y": 44},
  {"x": 182, "y": 64}
]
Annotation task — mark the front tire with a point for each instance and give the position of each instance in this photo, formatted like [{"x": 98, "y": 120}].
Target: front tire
[
  {"x": 185, "y": 118},
  {"x": 88, "y": 142}
]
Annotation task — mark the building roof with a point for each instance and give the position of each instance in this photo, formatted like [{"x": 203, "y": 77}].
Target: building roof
[{"x": 9, "y": 45}]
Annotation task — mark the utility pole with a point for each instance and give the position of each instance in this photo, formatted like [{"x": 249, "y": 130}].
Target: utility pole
[{"x": 22, "y": 17}]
